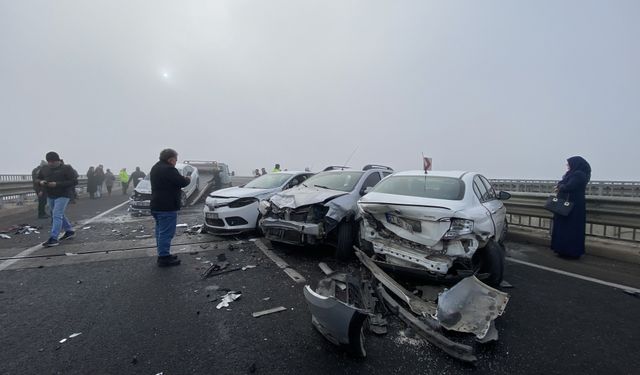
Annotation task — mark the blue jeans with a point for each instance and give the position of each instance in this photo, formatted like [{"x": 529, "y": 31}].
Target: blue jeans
[
  {"x": 58, "y": 219},
  {"x": 166, "y": 222}
]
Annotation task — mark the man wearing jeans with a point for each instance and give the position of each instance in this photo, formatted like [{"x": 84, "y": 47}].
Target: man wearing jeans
[
  {"x": 166, "y": 190},
  {"x": 59, "y": 181}
]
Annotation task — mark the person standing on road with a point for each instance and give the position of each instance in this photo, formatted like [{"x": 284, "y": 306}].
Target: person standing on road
[
  {"x": 136, "y": 177},
  {"x": 92, "y": 186},
  {"x": 59, "y": 181},
  {"x": 99, "y": 174},
  {"x": 264, "y": 171},
  {"x": 276, "y": 168},
  {"x": 567, "y": 235},
  {"x": 109, "y": 179},
  {"x": 124, "y": 180},
  {"x": 40, "y": 191},
  {"x": 166, "y": 191}
]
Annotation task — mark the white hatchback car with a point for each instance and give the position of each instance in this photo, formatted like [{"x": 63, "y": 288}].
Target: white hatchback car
[
  {"x": 447, "y": 225},
  {"x": 140, "y": 202},
  {"x": 235, "y": 209}
]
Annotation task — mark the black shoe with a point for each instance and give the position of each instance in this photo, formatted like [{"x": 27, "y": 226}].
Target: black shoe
[
  {"x": 173, "y": 256},
  {"x": 68, "y": 234},
  {"x": 51, "y": 242},
  {"x": 168, "y": 261}
]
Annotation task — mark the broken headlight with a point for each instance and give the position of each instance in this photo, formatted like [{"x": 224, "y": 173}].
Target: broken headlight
[
  {"x": 316, "y": 213},
  {"x": 264, "y": 207},
  {"x": 459, "y": 227}
]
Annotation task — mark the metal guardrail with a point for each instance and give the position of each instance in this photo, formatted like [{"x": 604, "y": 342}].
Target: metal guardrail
[
  {"x": 616, "y": 218},
  {"x": 599, "y": 188},
  {"x": 18, "y": 188}
]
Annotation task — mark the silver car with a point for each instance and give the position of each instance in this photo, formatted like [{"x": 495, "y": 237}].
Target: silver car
[
  {"x": 322, "y": 209},
  {"x": 446, "y": 224},
  {"x": 140, "y": 202}
]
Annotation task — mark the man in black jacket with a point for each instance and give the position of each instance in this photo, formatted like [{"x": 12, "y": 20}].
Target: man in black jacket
[
  {"x": 40, "y": 191},
  {"x": 166, "y": 190},
  {"x": 59, "y": 181}
]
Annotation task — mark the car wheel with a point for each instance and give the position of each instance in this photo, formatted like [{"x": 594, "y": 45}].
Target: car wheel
[
  {"x": 490, "y": 260},
  {"x": 344, "y": 248},
  {"x": 183, "y": 199}
]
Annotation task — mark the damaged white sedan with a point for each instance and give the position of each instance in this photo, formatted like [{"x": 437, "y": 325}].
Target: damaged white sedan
[{"x": 447, "y": 225}]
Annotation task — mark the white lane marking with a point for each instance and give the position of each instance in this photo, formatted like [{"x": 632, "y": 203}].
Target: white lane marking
[
  {"x": 7, "y": 263},
  {"x": 293, "y": 274},
  {"x": 575, "y": 275}
]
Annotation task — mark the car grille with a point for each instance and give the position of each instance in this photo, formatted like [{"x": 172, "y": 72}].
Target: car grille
[{"x": 234, "y": 221}]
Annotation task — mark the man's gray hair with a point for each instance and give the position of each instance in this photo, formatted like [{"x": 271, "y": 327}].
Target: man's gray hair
[{"x": 167, "y": 154}]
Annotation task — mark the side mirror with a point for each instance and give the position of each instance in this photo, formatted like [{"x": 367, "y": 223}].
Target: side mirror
[
  {"x": 503, "y": 195},
  {"x": 366, "y": 190}
]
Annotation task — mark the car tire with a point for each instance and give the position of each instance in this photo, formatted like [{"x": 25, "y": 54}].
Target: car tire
[
  {"x": 344, "y": 246},
  {"x": 490, "y": 260}
]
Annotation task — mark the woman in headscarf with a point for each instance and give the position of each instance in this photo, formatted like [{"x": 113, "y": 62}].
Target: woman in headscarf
[
  {"x": 92, "y": 185},
  {"x": 567, "y": 236}
]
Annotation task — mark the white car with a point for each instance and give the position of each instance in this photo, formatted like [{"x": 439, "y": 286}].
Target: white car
[
  {"x": 446, "y": 225},
  {"x": 140, "y": 202},
  {"x": 235, "y": 209}
]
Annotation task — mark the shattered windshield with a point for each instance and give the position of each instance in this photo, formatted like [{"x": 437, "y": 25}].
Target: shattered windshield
[
  {"x": 268, "y": 181},
  {"x": 338, "y": 180},
  {"x": 448, "y": 188}
]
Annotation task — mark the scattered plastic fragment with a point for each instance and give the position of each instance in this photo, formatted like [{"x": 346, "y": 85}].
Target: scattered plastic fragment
[
  {"x": 274, "y": 310},
  {"x": 144, "y": 236},
  {"x": 266, "y": 298},
  {"x": 248, "y": 267},
  {"x": 70, "y": 254},
  {"x": 325, "y": 268},
  {"x": 4, "y": 236},
  {"x": 505, "y": 284},
  {"x": 62, "y": 341},
  {"x": 75, "y": 335},
  {"x": 85, "y": 228},
  {"x": 228, "y": 298},
  {"x": 184, "y": 225}
]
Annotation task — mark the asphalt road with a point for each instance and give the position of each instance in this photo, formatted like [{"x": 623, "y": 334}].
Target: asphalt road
[{"x": 135, "y": 318}]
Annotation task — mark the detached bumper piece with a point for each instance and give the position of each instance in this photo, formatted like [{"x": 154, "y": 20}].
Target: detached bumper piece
[{"x": 469, "y": 306}]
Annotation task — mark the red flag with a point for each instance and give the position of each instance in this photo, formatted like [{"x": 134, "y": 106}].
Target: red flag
[{"x": 426, "y": 164}]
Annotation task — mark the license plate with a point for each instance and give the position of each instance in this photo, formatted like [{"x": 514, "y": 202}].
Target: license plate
[
  {"x": 142, "y": 203},
  {"x": 408, "y": 224},
  {"x": 211, "y": 215}
]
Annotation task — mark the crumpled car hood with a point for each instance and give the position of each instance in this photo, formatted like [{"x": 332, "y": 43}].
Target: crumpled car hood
[
  {"x": 239, "y": 192},
  {"x": 304, "y": 196},
  {"x": 144, "y": 187}
]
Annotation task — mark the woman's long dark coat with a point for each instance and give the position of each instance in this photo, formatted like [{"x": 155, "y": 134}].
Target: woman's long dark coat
[
  {"x": 567, "y": 237},
  {"x": 92, "y": 184}
]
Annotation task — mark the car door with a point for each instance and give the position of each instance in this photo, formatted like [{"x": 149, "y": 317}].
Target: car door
[{"x": 495, "y": 206}]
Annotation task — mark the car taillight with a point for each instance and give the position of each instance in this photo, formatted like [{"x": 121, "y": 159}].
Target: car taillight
[{"x": 459, "y": 227}]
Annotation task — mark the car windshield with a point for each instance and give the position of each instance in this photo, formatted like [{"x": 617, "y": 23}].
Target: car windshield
[
  {"x": 448, "y": 188},
  {"x": 337, "y": 180},
  {"x": 269, "y": 181}
]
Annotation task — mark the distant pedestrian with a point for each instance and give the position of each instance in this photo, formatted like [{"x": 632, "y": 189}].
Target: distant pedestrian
[
  {"x": 256, "y": 173},
  {"x": 109, "y": 179},
  {"x": 124, "y": 180},
  {"x": 99, "y": 174},
  {"x": 92, "y": 186},
  {"x": 59, "y": 181},
  {"x": 567, "y": 236},
  {"x": 166, "y": 193},
  {"x": 264, "y": 171},
  {"x": 136, "y": 177},
  {"x": 41, "y": 192},
  {"x": 276, "y": 168}
]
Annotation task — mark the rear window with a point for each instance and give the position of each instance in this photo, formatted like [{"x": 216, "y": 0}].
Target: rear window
[{"x": 448, "y": 188}]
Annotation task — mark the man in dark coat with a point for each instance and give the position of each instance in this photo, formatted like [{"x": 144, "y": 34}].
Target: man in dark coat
[
  {"x": 92, "y": 186},
  {"x": 99, "y": 175},
  {"x": 40, "y": 191},
  {"x": 59, "y": 181},
  {"x": 567, "y": 236},
  {"x": 166, "y": 191},
  {"x": 136, "y": 177}
]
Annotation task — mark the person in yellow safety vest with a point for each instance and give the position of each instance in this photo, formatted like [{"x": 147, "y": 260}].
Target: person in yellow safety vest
[
  {"x": 276, "y": 168},
  {"x": 124, "y": 180}
]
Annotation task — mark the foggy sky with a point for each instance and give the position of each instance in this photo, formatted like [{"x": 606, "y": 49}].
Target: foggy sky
[{"x": 507, "y": 88}]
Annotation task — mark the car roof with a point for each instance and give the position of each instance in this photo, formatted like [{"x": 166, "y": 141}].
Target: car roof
[
  {"x": 420, "y": 172},
  {"x": 289, "y": 172}
]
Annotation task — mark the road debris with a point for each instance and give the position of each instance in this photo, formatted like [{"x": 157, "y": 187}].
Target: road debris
[
  {"x": 62, "y": 341},
  {"x": 274, "y": 310},
  {"x": 70, "y": 254},
  {"x": 228, "y": 298},
  {"x": 21, "y": 229},
  {"x": 87, "y": 227},
  {"x": 195, "y": 229},
  {"x": 325, "y": 268},
  {"x": 144, "y": 236},
  {"x": 75, "y": 335},
  {"x": 184, "y": 225},
  {"x": 248, "y": 266},
  {"x": 4, "y": 236},
  {"x": 505, "y": 284}
]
